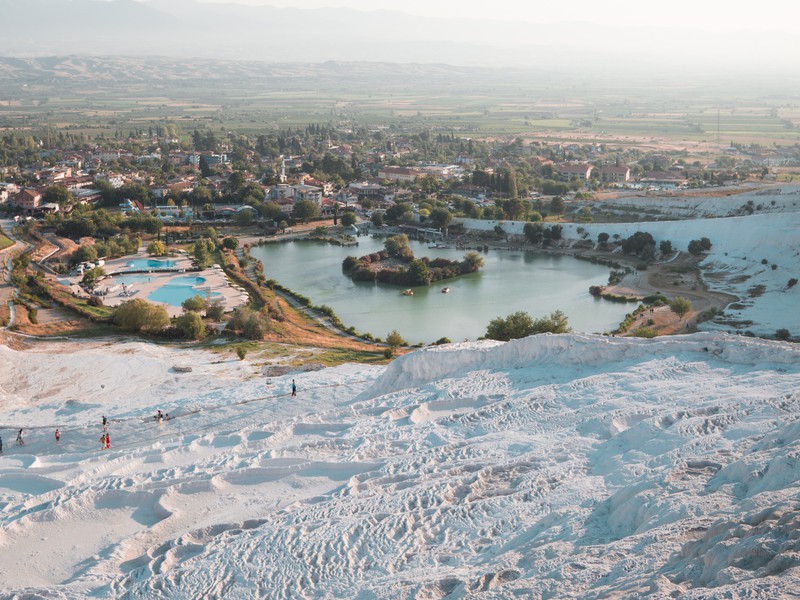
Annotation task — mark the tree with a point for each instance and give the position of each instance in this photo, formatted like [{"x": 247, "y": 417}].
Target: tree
[
  {"x": 271, "y": 211},
  {"x": 377, "y": 218},
  {"x": 305, "y": 210},
  {"x": 398, "y": 213},
  {"x": 418, "y": 273},
  {"x": 699, "y": 246},
  {"x": 215, "y": 310},
  {"x": 394, "y": 339},
  {"x": 639, "y": 244},
  {"x": 202, "y": 252},
  {"x": 191, "y": 326},
  {"x": 666, "y": 247},
  {"x": 556, "y": 323},
  {"x": 680, "y": 306},
  {"x": 514, "y": 326},
  {"x": 195, "y": 303},
  {"x": 396, "y": 244},
  {"x": 58, "y": 195},
  {"x": 534, "y": 232},
  {"x": 602, "y": 238},
  {"x": 244, "y": 218},
  {"x": 205, "y": 168},
  {"x": 140, "y": 315},
  {"x": 783, "y": 334},
  {"x": 156, "y": 248},
  {"x": 84, "y": 253},
  {"x": 441, "y": 217},
  {"x": 230, "y": 243},
  {"x": 557, "y": 206},
  {"x": 92, "y": 275},
  {"x": 349, "y": 218},
  {"x": 520, "y": 324},
  {"x": 473, "y": 261}
]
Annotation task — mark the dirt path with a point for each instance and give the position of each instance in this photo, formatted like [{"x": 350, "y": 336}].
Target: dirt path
[{"x": 680, "y": 277}]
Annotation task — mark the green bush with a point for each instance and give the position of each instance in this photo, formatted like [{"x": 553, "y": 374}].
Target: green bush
[
  {"x": 191, "y": 326},
  {"x": 140, "y": 315}
]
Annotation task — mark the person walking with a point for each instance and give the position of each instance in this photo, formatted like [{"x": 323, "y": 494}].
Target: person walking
[
  {"x": 108, "y": 442},
  {"x": 294, "y": 389},
  {"x": 20, "y": 438},
  {"x": 1, "y": 444},
  {"x": 105, "y": 423},
  {"x": 58, "y": 436}
]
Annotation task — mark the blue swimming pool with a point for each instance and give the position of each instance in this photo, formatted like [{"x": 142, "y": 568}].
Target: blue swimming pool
[
  {"x": 178, "y": 289},
  {"x": 149, "y": 264}
]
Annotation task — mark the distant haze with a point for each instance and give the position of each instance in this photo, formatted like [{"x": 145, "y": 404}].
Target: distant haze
[
  {"x": 770, "y": 15},
  {"x": 631, "y": 40}
]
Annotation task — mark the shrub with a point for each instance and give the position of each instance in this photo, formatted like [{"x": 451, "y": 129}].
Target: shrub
[
  {"x": 520, "y": 324},
  {"x": 196, "y": 303},
  {"x": 249, "y": 323},
  {"x": 140, "y": 315},
  {"x": 241, "y": 352},
  {"x": 783, "y": 334},
  {"x": 394, "y": 339},
  {"x": 215, "y": 310},
  {"x": 190, "y": 324},
  {"x": 644, "y": 332}
]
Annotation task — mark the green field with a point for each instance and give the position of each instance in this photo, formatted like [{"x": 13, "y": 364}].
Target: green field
[{"x": 474, "y": 103}]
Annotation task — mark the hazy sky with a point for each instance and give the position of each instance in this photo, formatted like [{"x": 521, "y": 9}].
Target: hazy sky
[{"x": 701, "y": 14}]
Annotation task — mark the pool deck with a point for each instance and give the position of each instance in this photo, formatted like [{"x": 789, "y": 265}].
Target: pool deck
[{"x": 216, "y": 282}]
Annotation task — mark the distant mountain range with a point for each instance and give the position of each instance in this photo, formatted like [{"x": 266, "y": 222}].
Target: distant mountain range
[{"x": 187, "y": 28}]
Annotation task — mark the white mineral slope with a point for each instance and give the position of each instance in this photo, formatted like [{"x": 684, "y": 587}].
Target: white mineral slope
[
  {"x": 754, "y": 258},
  {"x": 569, "y": 466}
]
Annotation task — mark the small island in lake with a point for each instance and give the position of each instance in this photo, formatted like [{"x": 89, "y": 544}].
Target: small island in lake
[{"x": 397, "y": 265}]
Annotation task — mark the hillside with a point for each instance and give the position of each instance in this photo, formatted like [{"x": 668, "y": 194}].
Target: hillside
[
  {"x": 189, "y": 28},
  {"x": 570, "y": 466}
]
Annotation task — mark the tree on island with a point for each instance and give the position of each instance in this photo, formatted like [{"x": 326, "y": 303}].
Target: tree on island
[
  {"x": 396, "y": 245},
  {"x": 473, "y": 261},
  {"x": 419, "y": 273}
]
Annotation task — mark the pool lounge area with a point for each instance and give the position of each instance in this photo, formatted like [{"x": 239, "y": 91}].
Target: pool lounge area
[{"x": 168, "y": 283}]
